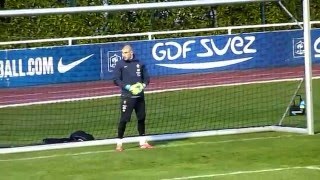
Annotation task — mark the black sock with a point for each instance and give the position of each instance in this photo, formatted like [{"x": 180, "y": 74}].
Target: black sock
[
  {"x": 141, "y": 128},
  {"x": 121, "y": 129}
]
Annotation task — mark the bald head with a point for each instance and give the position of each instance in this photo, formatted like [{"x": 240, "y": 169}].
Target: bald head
[{"x": 127, "y": 53}]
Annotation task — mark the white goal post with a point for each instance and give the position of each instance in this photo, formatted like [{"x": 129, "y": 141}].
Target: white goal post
[
  {"x": 177, "y": 4},
  {"x": 308, "y": 65},
  {"x": 122, "y": 7}
]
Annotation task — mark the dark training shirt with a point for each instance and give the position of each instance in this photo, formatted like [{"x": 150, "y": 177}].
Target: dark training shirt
[{"x": 130, "y": 72}]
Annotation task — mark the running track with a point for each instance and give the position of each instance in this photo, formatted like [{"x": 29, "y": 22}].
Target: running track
[{"x": 10, "y": 96}]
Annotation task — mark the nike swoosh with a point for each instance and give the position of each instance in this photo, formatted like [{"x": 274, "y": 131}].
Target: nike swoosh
[
  {"x": 206, "y": 65},
  {"x": 65, "y": 68}
]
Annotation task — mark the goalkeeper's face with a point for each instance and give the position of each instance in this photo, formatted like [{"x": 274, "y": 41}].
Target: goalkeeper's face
[{"x": 127, "y": 53}]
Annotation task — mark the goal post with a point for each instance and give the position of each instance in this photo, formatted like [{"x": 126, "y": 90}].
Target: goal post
[
  {"x": 308, "y": 65},
  {"x": 122, "y": 7},
  {"x": 200, "y": 86}
]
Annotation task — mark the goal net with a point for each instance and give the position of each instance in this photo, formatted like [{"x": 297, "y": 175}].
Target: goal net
[{"x": 200, "y": 85}]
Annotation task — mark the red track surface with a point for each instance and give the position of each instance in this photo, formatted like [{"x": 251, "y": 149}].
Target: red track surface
[{"x": 10, "y": 96}]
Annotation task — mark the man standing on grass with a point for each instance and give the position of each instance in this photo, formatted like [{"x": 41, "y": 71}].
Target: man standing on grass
[{"x": 132, "y": 77}]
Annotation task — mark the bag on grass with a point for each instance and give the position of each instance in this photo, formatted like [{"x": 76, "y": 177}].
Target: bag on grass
[
  {"x": 81, "y": 136},
  {"x": 74, "y": 137}
]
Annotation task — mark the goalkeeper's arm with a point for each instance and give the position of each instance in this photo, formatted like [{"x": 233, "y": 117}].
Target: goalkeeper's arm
[
  {"x": 145, "y": 76},
  {"x": 138, "y": 87}
]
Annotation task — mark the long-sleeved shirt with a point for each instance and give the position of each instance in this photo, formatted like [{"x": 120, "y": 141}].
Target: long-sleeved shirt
[{"x": 128, "y": 73}]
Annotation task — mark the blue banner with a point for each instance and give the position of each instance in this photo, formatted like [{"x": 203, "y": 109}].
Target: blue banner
[{"x": 42, "y": 66}]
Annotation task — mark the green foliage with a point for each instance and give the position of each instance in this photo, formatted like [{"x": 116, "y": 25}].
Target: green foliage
[{"x": 90, "y": 24}]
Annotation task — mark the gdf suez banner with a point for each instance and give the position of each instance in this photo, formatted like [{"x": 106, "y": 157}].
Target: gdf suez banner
[
  {"x": 42, "y": 66},
  {"x": 216, "y": 53}
]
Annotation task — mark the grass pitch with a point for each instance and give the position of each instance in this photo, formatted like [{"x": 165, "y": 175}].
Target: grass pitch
[
  {"x": 246, "y": 156},
  {"x": 263, "y": 156},
  {"x": 209, "y": 108}
]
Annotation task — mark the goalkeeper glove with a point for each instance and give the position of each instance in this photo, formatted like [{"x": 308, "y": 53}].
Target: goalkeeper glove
[
  {"x": 137, "y": 88},
  {"x": 127, "y": 87}
]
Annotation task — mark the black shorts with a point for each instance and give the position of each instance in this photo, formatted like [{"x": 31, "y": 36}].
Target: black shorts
[{"x": 128, "y": 104}]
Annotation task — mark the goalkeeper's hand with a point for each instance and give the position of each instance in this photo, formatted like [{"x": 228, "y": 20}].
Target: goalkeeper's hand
[{"x": 137, "y": 88}]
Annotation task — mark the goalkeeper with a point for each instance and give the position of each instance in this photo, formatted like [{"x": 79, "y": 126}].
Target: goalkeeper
[{"x": 132, "y": 77}]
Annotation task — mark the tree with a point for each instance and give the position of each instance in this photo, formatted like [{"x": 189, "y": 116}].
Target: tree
[{"x": 88, "y": 24}]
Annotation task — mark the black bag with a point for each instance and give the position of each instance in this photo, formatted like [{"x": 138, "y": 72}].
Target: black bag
[
  {"x": 74, "y": 137},
  {"x": 81, "y": 136},
  {"x": 55, "y": 140},
  {"x": 297, "y": 106}
]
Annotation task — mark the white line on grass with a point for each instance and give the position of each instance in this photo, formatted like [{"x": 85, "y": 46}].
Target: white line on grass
[
  {"x": 314, "y": 167},
  {"x": 135, "y": 149}
]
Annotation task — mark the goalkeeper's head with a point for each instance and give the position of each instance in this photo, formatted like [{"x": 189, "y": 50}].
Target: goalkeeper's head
[{"x": 127, "y": 53}]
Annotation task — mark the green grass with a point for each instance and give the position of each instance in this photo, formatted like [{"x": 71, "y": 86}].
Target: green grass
[
  {"x": 222, "y": 155},
  {"x": 263, "y": 156},
  {"x": 316, "y": 104},
  {"x": 167, "y": 112}
]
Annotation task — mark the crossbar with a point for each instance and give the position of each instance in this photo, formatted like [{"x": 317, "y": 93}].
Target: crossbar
[{"x": 122, "y": 7}]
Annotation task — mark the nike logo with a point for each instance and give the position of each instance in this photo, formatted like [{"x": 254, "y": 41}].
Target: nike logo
[
  {"x": 206, "y": 65},
  {"x": 62, "y": 68}
]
